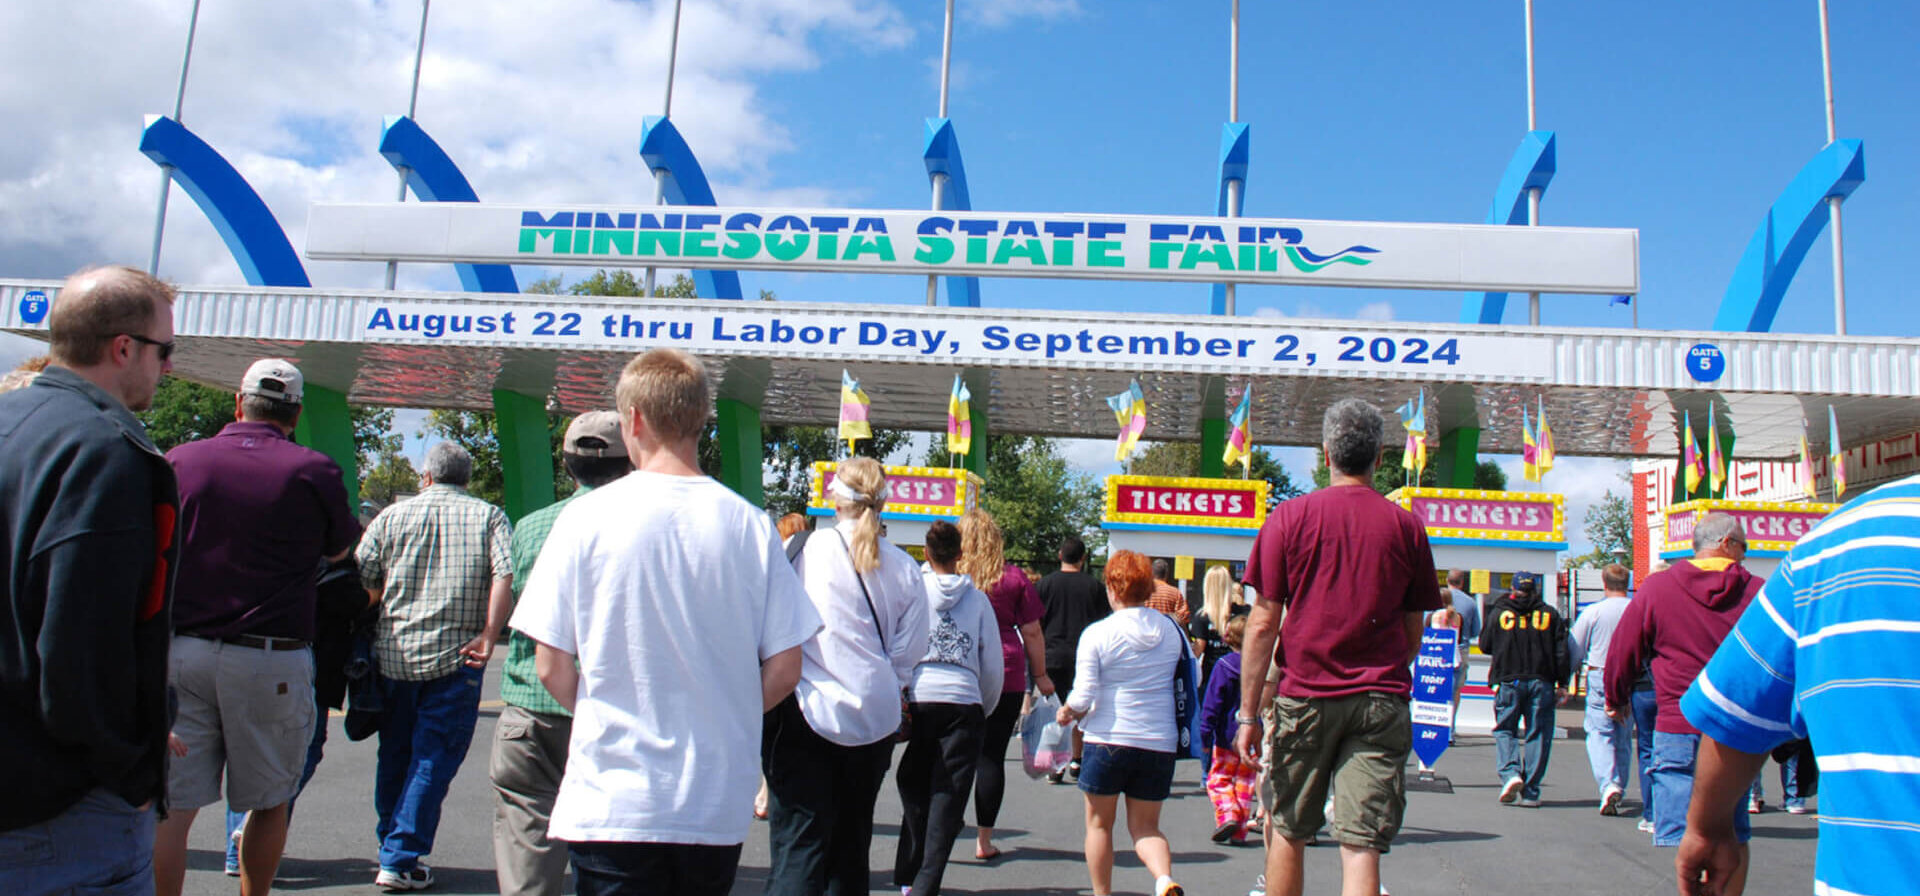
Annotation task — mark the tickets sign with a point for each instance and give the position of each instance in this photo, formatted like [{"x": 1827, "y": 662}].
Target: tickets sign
[
  {"x": 1770, "y": 527},
  {"x": 911, "y": 491},
  {"x": 1485, "y": 515},
  {"x": 1175, "y": 501}
]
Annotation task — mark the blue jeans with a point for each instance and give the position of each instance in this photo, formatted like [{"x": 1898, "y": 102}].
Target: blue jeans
[
  {"x": 236, "y": 820},
  {"x": 423, "y": 739},
  {"x": 1793, "y": 785},
  {"x": 98, "y": 845},
  {"x": 1644, "y": 710},
  {"x": 1529, "y": 700},
  {"x": 1673, "y": 756},
  {"x": 1608, "y": 741}
]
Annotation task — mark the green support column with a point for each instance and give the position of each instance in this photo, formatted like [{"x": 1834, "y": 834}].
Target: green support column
[
  {"x": 976, "y": 458},
  {"x": 1458, "y": 457},
  {"x": 742, "y": 452},
  {"x": 327, "y": 427},
  {"x": 526, "y": 452},
  {"x": 1213, "y": 447}
]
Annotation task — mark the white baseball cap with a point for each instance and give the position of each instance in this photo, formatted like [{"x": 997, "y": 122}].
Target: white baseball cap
[{"x": 273, "y": 378}]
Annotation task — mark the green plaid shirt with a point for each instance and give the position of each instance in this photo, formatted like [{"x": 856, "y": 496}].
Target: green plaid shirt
[
  {"x": 433, "y": 557},
  {"x": 519, "y": 684}
]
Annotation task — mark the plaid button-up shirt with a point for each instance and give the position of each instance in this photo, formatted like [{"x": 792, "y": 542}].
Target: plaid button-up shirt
[
  {"x": 434, "y": 558},
  {"x": 519, "y": 682}
]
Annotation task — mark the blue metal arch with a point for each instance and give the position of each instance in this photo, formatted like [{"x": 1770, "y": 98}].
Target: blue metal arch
[
  {"x": 1235, "y": 149},
  {"x": 1532, "y": 167},
  {"x": 249, "y": 228},
  {"x": 1774, "y": 253},
  {"x": 434, "y": 177},
  {"x": 664, "y": 150},
  {"x": 941, "y": 152}
]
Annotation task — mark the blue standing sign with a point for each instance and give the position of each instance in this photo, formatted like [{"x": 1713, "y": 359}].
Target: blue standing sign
[{"x": 1433, "y": 694}]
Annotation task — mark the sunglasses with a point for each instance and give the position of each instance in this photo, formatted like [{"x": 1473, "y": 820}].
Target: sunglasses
[{"x": 166, "y": 348}]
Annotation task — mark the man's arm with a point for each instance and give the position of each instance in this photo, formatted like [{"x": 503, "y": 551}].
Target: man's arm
[
  {"x": 1256, "y": 653},
  {"x": 499, "y": 607},
  {"x": 1709, "y": 853},
  {"x": 1415, "y": 626},
  {"x": 1035, "y": 643},
  {"x": 556, "y": 670},
  {"x": 779, "y": 675}
]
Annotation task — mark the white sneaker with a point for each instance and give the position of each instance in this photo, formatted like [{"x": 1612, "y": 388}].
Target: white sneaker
[
  {"x": 1259, "y": 886},
  {"x": 1610, "y": 801},
  {"x": 1511, "y": 790},
  {"x": 420, "y": 878},
  {"x": 1645, "y": 825}
]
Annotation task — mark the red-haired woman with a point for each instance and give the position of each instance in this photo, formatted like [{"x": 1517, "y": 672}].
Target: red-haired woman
[{"x": 1123, "y": 693}]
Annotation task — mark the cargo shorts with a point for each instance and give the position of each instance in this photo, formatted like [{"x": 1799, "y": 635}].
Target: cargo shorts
[
  {"x": 246, "y": 716},
  {"x": 1355, "y": 746}
]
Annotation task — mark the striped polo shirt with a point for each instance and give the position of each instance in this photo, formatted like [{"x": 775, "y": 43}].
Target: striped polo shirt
[{"x": 1831, "y": 650}]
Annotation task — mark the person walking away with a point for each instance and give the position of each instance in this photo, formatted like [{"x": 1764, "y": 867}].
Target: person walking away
[
  {"x": 1070, "y": 600},
  {"x": 1531, "y": 665},
  {"x": 1354, "y": 575},
  {"x": 1016, "y": 611},
  {"x": 950, "y": 686},
  {"x": 1609, "y": 741},
  {"x": 1221, "y": 598},
  {"x": 1230, "y": 782},
  {"x": 1824, "y": 652},
  {"x": 825, "y": 750},
  {"x": 258, "y": 514},
  {"x": 666, "y": 618},
  {"x": 89, "y": 507},
  {"x": 1468, "y": 607},
  {"x": 789, "y": 525},
  {"x": 440, "y": 566},
  {"x": 1124, "y": 700},
  {"x": 1674, "y": 626},
  {"x": 530, "y": 738},
  {"x": 1166, "y": 597}
]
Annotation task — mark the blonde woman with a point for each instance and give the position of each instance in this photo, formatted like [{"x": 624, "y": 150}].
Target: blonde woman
[
  {"x": 1221, "y": 601},
  {"x": 826, "y": 749},
  {"x": 1016, "y": 605}
]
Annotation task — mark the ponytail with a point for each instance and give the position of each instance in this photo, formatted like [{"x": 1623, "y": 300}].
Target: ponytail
[{"x": 860, "y": 490}]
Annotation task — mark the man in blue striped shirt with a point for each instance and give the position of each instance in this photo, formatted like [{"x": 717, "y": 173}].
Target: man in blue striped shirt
[{"x": 1825, "y": 651}]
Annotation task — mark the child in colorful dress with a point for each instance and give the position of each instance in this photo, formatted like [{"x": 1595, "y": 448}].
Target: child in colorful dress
[{"x": 1230, "y": 780}]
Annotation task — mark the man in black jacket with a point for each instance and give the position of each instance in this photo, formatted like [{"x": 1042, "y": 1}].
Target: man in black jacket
[
  {"x": 87, "y": 551},
  {"x": 1531, "y": 664}
]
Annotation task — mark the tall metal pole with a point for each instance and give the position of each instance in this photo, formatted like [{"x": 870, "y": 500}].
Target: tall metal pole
[
  {"x": 1234, "y": 187},
  {"x": 940, "y": 180},
  {"x": 413, "y": 104},
  {"x": 1833, "y": 202},
  {"x": 1533, "y": 195},
  {"x": 666, "y": 111},
  {"x": 166, "y": 171}
]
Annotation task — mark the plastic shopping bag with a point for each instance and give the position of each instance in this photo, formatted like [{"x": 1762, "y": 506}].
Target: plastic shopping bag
[{"x": 1046, "y": 746}]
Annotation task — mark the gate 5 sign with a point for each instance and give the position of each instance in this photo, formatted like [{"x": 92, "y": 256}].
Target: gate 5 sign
[
  {"x": 1106, "y": 247},
  {"x": 1183, "y": 502}
]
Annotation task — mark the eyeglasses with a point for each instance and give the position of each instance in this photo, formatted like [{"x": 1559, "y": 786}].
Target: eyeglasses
[{"x": 166, "y": 348}]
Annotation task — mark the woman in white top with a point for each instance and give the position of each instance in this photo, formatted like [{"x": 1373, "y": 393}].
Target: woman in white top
[
  {"x": 1123, "y": 692},
  {"x": 950, "y": 687},
  {"x": 825, "y": 751}
]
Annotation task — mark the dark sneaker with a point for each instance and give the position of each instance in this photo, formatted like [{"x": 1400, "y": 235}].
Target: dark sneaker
[
  {"x": 1073, "y": 768},
  {"x": 419, "y": 877},
  {"x": 1225, "y": 832}
]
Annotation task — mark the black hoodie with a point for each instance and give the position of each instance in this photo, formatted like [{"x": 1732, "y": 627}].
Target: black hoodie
[{"x": 1527, "y": 640}]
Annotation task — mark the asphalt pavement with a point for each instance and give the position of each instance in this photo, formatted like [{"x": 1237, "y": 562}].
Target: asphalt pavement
[{"x": 1463, "y": 842}]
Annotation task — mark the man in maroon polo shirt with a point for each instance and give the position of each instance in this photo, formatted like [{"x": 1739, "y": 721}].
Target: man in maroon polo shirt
[
  {"x": 257, "y": 514},
  {"x": 1353, "y": 575}
]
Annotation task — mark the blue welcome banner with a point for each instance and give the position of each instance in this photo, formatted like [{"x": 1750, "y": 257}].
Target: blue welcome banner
[{"x": 1433, "y": 694}]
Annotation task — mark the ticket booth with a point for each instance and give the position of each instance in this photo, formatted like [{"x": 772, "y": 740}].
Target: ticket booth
[
  {"x": 916, "y": 496},
  {"x": 1493, "y": 535},
  {"x": 1204, "y": 519},
  {"x": 1772, "y": 528}
]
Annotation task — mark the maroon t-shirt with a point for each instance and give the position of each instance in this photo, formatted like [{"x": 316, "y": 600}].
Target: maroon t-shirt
[
  {"x": 1015, "y": 603},
  {"x": 257, "y": 512},
  {"x": 1349, "y": 565}
]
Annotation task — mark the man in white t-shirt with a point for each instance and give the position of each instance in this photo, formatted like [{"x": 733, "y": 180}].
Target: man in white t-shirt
[{"x": 667, "y": 619}]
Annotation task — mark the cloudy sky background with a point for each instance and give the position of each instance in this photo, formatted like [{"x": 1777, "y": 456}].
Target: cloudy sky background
[{"x": 1683, "y": 120}]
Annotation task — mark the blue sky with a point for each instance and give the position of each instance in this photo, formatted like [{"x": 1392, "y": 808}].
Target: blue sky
[{"x": 1683, "y": 120}]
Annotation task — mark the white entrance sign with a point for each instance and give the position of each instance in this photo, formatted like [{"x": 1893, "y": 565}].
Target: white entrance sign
[{"x": 1468, "y": 257}]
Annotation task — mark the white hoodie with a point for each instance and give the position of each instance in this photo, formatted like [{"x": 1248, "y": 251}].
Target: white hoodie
[
  {"x": 1124, "y": 673},
  {"x": 963, "y": 643}
]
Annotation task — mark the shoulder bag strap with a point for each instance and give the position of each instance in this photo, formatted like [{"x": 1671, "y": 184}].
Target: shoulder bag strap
[{"x": 878, "y": 629}]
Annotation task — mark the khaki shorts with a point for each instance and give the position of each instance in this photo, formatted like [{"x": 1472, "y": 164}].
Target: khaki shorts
[
  {"x": 245, "y": 711},
  {"x": 1356, "y": 746}
]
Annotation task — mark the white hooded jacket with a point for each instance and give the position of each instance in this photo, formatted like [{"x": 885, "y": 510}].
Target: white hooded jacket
[
  {"x": 1124, "y": 675},
  {"x": 963, "y": 643}
]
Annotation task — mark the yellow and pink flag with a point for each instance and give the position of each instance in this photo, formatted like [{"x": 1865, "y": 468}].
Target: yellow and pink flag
[
  {"x": 1130, "y": 411},
  {"x": 959, "y": 418},
  {"x": 1690, "y": 465},
  {"x": 1716, "y": 462},
  {"x": 1240, "y": 434},
  {"x": 1529, "y": 448},
  {"x": 1543, "y": 452},
  {"x": 1806, "y": 466},
  {"x": 1836, "y": 456},
  {"x": 853, "y": 411}
]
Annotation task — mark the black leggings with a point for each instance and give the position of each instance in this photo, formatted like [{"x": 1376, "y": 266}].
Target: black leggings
[{"x": 990, "y": 777}]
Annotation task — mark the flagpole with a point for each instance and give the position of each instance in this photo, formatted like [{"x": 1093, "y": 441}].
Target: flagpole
[
  {"x": 940, "y": 178},
  {"x": 1235, "y": 186},
  {"x": 166, "y": 171},
  {"x": 1833, "y": 202},
  {"x": 1533, "y": 195},
  {"x": 666, "y": 111},
  {"x": 413, "y": 103}
]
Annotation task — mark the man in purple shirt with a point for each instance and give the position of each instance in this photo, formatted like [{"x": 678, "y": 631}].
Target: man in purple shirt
[{"x": 257, "y": 514}]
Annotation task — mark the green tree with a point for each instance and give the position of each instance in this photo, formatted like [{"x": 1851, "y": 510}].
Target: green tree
[
  {"x": 1183, "y": 459},
  {"x": 1487, "y": 475},
  {"x": 1609, "y": 525},
  {"x": 787, "y": 457},
  {"x": 390, "y": 474},
  {"x": 478, "y": 432},
  {"x": 1035, "y": 495},
  {"x": 185, "y": 411}
]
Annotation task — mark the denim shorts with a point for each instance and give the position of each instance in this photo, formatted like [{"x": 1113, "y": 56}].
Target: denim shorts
[{"x": 1109, "y": 770}]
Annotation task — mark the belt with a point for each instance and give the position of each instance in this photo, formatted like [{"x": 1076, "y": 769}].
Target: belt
[{"x": 257, "y": 642}]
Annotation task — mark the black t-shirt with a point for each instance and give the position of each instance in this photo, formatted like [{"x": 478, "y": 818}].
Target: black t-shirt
[{"x": 1071, "y": 601}]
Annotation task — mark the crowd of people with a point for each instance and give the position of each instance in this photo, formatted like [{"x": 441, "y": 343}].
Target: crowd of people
[{"x": 180, "y": 625}]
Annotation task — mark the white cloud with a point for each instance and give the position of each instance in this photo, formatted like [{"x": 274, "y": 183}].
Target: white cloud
[
  {"x": 1268, "y": 311},
  {"x": 1583, "y": 480},
  {"x": 995, "y": 13},
  {"x": 1379, "y": 311},
  {"x": 1091, "y": 456}
]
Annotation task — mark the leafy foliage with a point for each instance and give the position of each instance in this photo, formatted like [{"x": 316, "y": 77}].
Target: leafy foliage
[
  {"x": 1036, "y": 497},
  {"x": 185, "y": 411},
  {"x": 1487, "y": 475},
  {"x": 1609, "y": 525}
]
